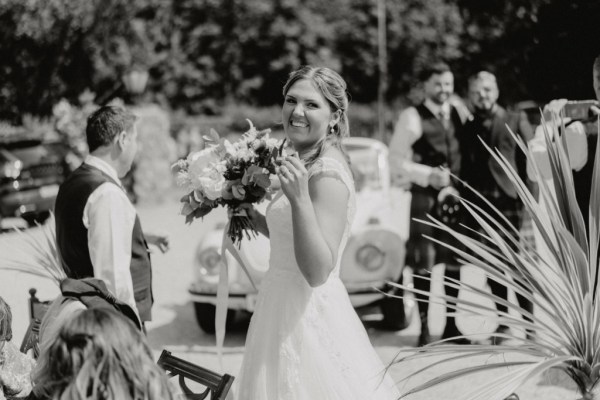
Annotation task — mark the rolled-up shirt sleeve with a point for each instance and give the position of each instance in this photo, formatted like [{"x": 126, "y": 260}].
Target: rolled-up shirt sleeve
[
  {"x": 407, "y": 131},
  {"x": 109, "y": 217}
]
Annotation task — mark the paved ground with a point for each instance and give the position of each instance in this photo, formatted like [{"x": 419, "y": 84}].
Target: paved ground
[{"x": 174, "y": 326}]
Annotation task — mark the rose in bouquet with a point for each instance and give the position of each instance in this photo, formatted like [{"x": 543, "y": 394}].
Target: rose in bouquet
[{"x": 229, "y": 174}]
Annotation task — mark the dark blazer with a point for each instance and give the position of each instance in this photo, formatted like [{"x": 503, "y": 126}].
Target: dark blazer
[{"x": 493, "y": 130}]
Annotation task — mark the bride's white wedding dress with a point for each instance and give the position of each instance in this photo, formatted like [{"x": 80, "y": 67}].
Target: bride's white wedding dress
[{"x": 308, "y": 343}]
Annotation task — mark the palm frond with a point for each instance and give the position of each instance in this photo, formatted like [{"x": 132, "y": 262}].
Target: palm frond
[
  {"x": 36, "y": 253},
  {"x": 460, "y": 373},
  {"x": 503, "y": 386},
  {"x": 559, "y": 278}
]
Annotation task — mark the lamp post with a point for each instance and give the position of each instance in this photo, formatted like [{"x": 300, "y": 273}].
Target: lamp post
[{"x": 382, "y": 68}]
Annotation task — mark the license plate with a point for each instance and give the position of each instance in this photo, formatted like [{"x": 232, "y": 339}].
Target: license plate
[{"x": 49, "y": 191}]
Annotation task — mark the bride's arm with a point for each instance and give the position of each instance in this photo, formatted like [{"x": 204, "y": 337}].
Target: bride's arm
[
  {"x": 259, "y": 221},
  {"x": 319, "y": 210}
]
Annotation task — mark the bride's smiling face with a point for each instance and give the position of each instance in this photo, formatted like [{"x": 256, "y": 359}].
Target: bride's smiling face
[{"x": 306, "y": 115}]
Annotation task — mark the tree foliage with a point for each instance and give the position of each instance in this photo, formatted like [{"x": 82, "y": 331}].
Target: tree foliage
[
  {"x": 202, "y": 54},
  {"x": 57, "y": 48}
]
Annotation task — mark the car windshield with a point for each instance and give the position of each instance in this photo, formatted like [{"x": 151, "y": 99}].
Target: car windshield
[{"x": 365, "y": 167}]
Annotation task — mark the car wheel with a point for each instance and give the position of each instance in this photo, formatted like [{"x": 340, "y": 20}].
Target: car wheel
[
  {"x": 397, "y": 313},
  {"x": 40, "y": 218},
  {"x": 205, "y": 315}
]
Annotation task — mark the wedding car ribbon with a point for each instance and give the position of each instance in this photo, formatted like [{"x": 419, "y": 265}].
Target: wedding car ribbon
[{"x": 223, "y": 290}]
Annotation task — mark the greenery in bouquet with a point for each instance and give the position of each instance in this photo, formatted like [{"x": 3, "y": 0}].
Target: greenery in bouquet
[
  {"x": 229, "y": 174},
  {"x": 560, "y": 277}
]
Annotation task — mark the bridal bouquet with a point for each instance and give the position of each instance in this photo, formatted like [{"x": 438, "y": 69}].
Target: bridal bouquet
[{"x": 229, "y": 174}]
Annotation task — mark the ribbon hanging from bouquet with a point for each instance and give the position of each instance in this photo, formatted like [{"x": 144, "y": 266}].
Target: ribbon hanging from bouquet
[{"x": 223, "y": 290}]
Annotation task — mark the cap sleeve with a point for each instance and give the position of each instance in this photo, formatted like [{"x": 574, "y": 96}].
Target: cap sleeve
[{"x": 332, "y": 168}]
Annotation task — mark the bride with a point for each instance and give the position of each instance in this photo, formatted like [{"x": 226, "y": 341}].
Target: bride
[{"x": 305, "y": 341}]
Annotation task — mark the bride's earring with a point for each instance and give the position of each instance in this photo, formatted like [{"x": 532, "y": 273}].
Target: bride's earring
[{"x": 331, "y": 129}]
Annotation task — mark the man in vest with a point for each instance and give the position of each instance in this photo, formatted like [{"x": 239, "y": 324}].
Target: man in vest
[
  {"x": 423, "y": 152},
  {"x": 98, "y": 232},
  {"x": 484, "y": 174}
]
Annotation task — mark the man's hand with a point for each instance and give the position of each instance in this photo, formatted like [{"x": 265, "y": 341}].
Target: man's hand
[
  {"x": 439, "y": 178},
  {"x": 158, "y": 239}
]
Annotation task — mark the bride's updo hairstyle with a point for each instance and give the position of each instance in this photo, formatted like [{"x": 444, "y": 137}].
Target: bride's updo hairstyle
[{"x": 333, "y": 88}]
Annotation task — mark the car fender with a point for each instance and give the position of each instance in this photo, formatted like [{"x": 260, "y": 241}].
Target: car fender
[{"x": 373, "y": 256}]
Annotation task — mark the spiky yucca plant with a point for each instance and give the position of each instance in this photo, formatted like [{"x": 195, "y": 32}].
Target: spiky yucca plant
[
  {"x": 561, "y": 282},
  {"x": 37, "y": 254}
]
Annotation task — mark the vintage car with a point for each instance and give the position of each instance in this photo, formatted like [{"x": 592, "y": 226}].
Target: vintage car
[
  {"x": 30, "y": 174},
  {"x": 373, "y": 256}
]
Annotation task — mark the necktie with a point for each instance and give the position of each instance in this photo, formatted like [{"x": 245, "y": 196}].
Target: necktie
[{"x": 444, "y": 119}]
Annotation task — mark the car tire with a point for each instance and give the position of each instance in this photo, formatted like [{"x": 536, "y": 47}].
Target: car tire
[
  {"x": 40, "y": 218},
  {"x": 397, "y": 313},
  {"x": 205, "y": 315}
]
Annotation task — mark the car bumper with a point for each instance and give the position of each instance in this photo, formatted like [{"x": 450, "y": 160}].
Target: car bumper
[
  {"x": 28, "y": 201},
  {"x": 247, "y": 301}
]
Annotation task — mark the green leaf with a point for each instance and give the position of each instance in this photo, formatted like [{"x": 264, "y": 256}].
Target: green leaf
[{"x": 212, "y": 137}]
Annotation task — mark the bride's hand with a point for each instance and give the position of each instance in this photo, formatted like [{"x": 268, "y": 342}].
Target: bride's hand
[{"x": 294, "y": 178}]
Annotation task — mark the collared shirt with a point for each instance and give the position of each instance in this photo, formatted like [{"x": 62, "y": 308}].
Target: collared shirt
[
  {"x": 407, "y": 131},
  {"x": 109, "y": 218}
]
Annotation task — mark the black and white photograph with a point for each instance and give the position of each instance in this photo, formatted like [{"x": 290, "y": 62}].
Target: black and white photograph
[{"x": 299, "y": 199}]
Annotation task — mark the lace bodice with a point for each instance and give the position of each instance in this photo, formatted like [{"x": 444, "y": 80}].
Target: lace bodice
[{"x": 279, "y": 218}]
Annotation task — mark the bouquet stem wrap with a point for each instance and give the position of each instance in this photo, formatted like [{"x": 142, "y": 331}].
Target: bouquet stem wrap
[
  {"x": 240, "y": 225},
  {"x": 223, "y": 289}
]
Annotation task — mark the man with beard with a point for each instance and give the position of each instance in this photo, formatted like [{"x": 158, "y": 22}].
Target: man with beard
[
  {"x": 423, "y": 152},
  {"x": 484, "y": 174}
]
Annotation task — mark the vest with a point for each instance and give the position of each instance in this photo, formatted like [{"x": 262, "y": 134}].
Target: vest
[
  {"x": 71, "y": 236},
  {"x": 438, "y": 146}
]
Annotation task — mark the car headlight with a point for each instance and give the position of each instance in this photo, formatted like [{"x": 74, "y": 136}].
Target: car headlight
[
  {"x": 370, "y": 257},
  {"x": 209, "y": 261}
]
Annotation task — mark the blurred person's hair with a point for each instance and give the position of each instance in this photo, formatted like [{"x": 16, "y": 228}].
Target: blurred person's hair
[
  {"x": 99, "y": 355},
  {"x": 5, "y": 321},
  {"x": 334, "y": 89},
  {"x": 104, "y": 124},
  {"x": 435, "y": 68},
  {"x": 483, "y": 76}
]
